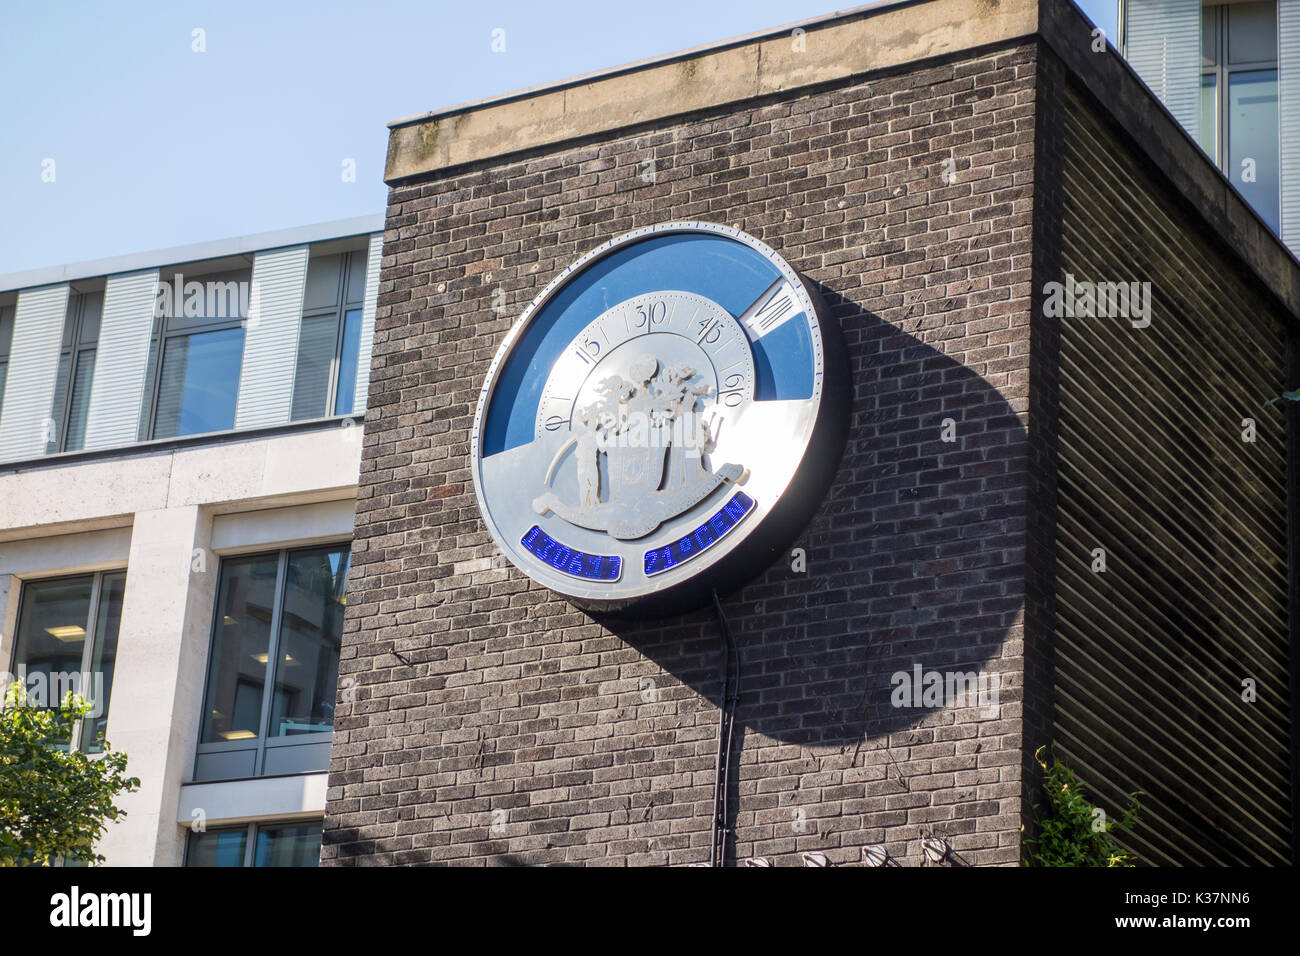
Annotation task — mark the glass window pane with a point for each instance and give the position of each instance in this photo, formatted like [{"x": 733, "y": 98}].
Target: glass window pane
[
  {"x": 103, "y": 655},
  {"x": 192, "y": 298},
  {"x": 322, "y": 288},
  {"x": 344, "y": 401},
  {"x": 80, "y": 406},
  {"x": 6, "y": 329},
  {"x": 70, "y": 319},
  {"x": 6, "y": 337},
  {"x": 217, "y": 848},
  {"x": 1209, "y": 36},
  {"x": 92, "y": 307},
  {"x": 356, "y": 290},
  {"x": 311, "y": 633},
  {"x": 288, "y": 845},
  {"x": 1252, "y": 31},
  {"x": 147, "y": 394},
  {"x": 240, "y": 644},
  {"x": 311, "y": 382},
  {"x": 51, "y": 637},
  {"x": 1252, "y": 140},
  {"x": 1209, "y": 136},
  {"x": 55, "y": 423},
  {"x": 199, "y": 383}
]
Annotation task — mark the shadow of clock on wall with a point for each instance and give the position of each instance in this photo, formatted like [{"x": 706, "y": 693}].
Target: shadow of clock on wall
[{"x": 914, "y": 559}]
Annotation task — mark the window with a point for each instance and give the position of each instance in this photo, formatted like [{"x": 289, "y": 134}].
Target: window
[
  {"x": 329, "y": 339},
  {"x": 53, "y": 653},
  {"x": 1253, "y": 141},
  {"x": 67, "y": 427},
  {"x": 1239, "y": 106},
  {"x": 273, "y": 668},
  {"x": 267, "y": 844},
  {"x": 6, "y": 338},
  {"x": 1209, "y": 137},
  {"x": 196, "y": 354}
]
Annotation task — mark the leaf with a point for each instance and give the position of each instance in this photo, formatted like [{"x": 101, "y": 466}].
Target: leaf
[{"x": 54, "y": 803}]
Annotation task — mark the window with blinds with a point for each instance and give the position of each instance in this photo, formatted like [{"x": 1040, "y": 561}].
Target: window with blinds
[
  {"x": 1162, "y": 44},
  {"x": 196, "y": 353},
  {"x": 66, "y": 429},
  {"x": 329, "y": 339}
]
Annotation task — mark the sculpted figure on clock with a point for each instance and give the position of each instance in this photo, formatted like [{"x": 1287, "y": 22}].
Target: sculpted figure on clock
[
  {"x": 635, "y": 425},
  {"x": 590, "y": 444}
]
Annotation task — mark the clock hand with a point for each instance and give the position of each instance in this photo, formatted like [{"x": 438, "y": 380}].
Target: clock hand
[{"x": 550, "y": 472}]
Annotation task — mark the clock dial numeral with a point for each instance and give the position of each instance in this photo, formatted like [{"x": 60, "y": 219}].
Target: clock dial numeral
[
  {"x": 711, "y": 331},
  {"x": 725, "y": 368},
  {"x": 650, "y": 315},
  {"x": 777, "y": 305},
  {"x": 732, "y": 390}
]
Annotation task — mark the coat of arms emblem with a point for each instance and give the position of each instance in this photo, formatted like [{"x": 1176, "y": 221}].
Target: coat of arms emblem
[{"x": 639, "y": 449}]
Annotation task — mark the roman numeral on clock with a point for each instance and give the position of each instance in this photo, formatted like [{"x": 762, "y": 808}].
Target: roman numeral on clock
[{"x": 771, "y": 310}]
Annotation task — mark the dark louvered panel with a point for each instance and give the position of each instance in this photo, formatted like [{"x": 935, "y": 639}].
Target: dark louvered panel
[{"x": 1151, "y": 654}]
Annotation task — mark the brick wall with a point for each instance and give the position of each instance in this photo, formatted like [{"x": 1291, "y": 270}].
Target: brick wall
[
  {"x": 1039, "y": 668},
  {"x": 483, "y": 720},
  {"x": 1150, "y": 655}
]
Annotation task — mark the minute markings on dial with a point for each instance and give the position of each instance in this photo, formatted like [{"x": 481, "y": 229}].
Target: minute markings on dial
[{"x": 654, "y": 313}]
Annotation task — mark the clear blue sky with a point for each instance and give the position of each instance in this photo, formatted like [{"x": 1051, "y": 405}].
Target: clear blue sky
[{"x": 155, "y": 145}]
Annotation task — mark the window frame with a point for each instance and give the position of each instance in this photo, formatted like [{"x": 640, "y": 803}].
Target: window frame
[
  {"x": 169, "y": 327},
  {"x": 88, "y": 642},
  {"x": 1222, "y": 70},
  {"x": 75, "y": 354},
  {"x": 6, "y": 346},
  {"x": 263, "y": 742},
  {"x": 336, "y": 364},
  {"x": 344, "y": 302},
  {"x": 162, "y": 337},
  {"x": 250, "y": 838}
]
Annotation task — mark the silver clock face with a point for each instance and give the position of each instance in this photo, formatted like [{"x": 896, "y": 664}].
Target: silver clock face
[{"x": 647, "y": 413}]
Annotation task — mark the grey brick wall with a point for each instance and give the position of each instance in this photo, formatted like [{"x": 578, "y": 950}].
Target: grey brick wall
[
  {"x": 1039, "y": 668},
  {"x": 482, "y": 720}
]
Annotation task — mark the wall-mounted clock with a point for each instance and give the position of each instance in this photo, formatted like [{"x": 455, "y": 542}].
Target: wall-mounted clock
[{"x": 663, "y": 416}]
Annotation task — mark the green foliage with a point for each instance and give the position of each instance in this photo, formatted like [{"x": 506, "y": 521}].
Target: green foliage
[
  {"x": 1293, "y": 396},
  {"x": 54, "y": 802},
  {"x": 1073, "y": 832}
]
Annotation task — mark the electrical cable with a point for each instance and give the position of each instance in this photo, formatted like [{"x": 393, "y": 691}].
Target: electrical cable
[{"x": 730, "y": 676}]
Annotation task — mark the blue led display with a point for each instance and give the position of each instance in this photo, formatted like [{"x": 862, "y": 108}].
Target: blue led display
[
  {"x": 579, "y": 564},
  {"x": 712, "y": 531}
]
